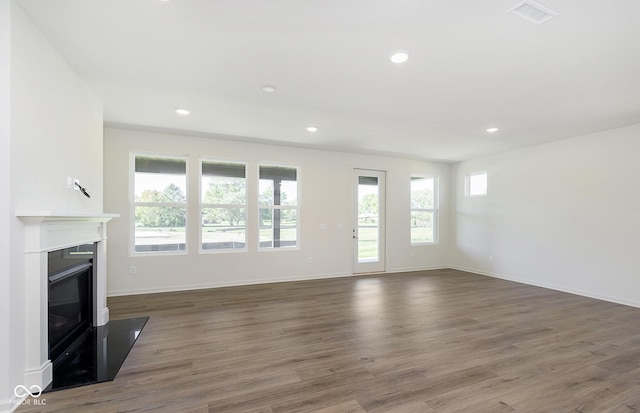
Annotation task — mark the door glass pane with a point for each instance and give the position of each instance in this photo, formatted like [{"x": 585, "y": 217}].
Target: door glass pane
[{"x": 368, "y": 219}]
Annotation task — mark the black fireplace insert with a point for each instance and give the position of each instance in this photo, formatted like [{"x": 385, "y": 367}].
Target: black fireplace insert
[{"x": 71, "y": 275}]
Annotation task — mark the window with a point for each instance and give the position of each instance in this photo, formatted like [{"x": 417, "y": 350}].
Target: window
[
  {"x": 424, "y": 212},
  {"x": 223, "y": 206},
  {"x": 159, "y": 204},
  {"x": 278, "y": 206},
  {"x": 476, "y": 184}
]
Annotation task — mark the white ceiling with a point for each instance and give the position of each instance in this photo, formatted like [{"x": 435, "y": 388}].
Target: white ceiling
[{"x": 472, "y": 66}]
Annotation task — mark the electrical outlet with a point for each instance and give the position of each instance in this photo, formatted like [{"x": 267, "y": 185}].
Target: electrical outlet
[
  {"x": 76, "y": 184},
  {"x": 69, "y": 182},
  {"x": 132, "y": 269}
]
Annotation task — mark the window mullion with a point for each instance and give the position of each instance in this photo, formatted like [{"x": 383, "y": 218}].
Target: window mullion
[{"x": 160, "y": 204}]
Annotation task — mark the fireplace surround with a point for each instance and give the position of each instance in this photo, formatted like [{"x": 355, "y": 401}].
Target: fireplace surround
[{"x": 46, "y": 232}]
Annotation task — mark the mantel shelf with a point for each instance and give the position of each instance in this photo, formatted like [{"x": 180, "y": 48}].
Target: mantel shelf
[{"x": 56, "y": 215}]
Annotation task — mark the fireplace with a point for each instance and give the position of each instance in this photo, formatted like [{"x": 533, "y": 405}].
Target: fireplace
[
  {"x": 70, "y": 299},
  {"x": 45, "y": 233},
  {"x": 69, "y": 339}
]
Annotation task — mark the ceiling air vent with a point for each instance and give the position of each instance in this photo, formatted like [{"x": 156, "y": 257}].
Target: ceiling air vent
[{"x": 533, "y": 12}]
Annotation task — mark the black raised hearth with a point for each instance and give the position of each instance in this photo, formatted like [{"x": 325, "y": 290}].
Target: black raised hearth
[{"x": 98, "y": 355}]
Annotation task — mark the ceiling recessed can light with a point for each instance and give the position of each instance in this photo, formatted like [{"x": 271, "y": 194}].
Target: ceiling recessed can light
[
  {"x": 491, "y": 130},
  {"x": 182, "y": 111},
  {"x": 400, "y": 56},
  {"x": 269, "y": 88},
  {"x": 312, "y": 128}
]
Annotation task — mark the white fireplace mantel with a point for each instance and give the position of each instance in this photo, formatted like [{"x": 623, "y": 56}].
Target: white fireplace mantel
[{"x": 47, "y": 231}]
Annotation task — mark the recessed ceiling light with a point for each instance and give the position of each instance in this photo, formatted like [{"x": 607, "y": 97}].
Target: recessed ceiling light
[
  {"x": 399, "y": 57},
  {"x": 269, "y": 88},
  {"x": 533, "y": 12},
  {"x": 182, "y": 111},
  {"x": 491, "y": 130},
  {"x": 312, "y": 128}
]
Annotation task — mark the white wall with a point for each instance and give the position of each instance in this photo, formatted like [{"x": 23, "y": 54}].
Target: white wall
[
  {"x": 326, "y": 195},
  {"x": 54, "y": 126},
  {"x": 564, "y": 215},
  {"x": 5, "y": 223}
]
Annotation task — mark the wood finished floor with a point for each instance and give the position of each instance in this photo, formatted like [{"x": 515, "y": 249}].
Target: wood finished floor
[{"x": 430, "y": 341}]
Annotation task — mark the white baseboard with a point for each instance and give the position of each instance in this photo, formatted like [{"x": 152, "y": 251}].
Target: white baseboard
[
  {"x": 237, "y": 283},
  {"x": 11, "y": 404},
  {"x": 584, "y": 293},
  {"x": 41, "y": 376},
  {"x": 413, "y": 269},
  {"x": 189, "y": 287}
]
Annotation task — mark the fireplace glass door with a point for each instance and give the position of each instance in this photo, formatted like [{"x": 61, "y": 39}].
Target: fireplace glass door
[{"x": 70, "y": 298}]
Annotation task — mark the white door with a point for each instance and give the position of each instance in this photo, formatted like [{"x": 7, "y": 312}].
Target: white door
[{"x": 369, "y": 221}]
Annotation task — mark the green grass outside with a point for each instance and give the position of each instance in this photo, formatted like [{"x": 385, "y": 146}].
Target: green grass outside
[{"x": 367, "y": 239}]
